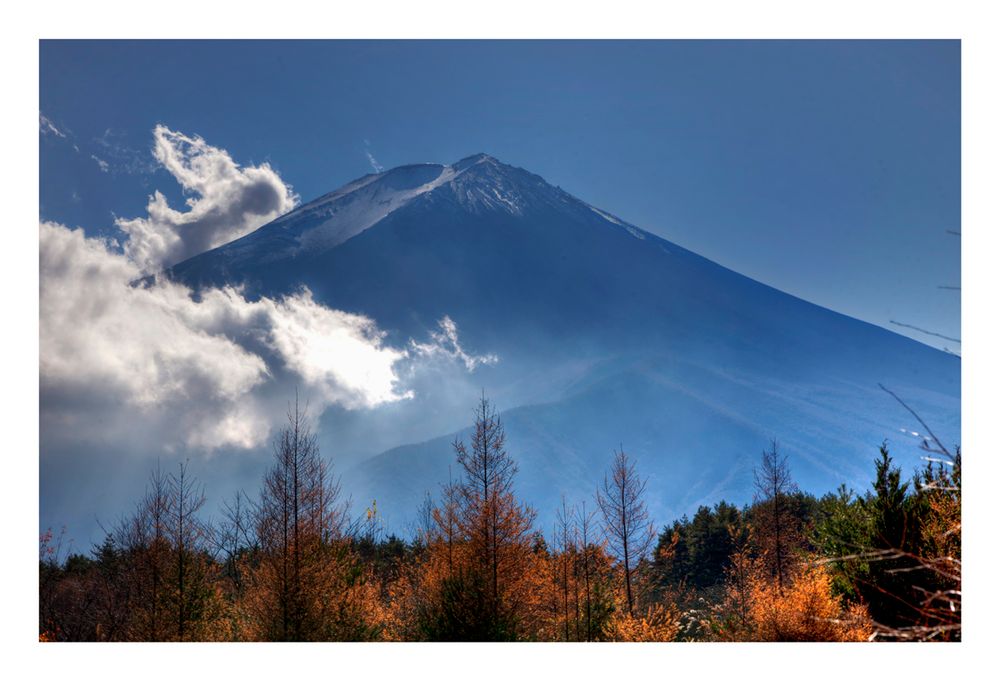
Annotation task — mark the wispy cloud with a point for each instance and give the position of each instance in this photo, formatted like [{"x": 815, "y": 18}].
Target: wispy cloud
[
  {"x": 101, "y": 163},
  {"x": 112, "y": 156},
  {"x": 444, "y": 343},
  {"x": 47, "y": 127},
  {"x": 376, "y": 166},
  {"x": 123, "y": 158}
]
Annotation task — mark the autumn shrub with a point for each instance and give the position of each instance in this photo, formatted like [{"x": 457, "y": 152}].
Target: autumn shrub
[
  {"x": 658, "y": 623},
  {"x": 806, "y": 610}
]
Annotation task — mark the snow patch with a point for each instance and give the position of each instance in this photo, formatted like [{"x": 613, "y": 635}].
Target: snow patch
[
  {"x": 352, "y": 213},
  {"x": 638, "y": 234}
]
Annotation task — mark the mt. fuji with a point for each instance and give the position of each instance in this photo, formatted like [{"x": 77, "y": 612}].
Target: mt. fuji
[{"x": 604, "y": 334}]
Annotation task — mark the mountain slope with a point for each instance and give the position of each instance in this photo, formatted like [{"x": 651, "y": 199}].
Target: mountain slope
[{"x": 606, "y": 334}]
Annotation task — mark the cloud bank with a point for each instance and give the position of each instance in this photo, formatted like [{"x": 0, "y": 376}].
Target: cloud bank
[
  {"x": 157, "y": 349},
  {"x": 225, "y": 201}
]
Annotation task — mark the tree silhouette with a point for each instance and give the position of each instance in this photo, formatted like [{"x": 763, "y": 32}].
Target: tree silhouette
[
  {"x": 773, "y": 520},
  {"x": 495, "y": 527},
  {"x": 626, "y": 524},
  {"x": 299, "y": 522}
]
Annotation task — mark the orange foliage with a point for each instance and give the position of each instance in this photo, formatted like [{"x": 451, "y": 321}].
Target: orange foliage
[
  {"x": 660, "y": 622},
  {"x": 806, "y": 610},
  {"x": 757, "y": 609}
]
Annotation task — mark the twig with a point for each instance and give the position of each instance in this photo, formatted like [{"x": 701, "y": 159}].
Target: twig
[
  {"x": 929, "y": 333},
  {"x": 927, "y": 429}
]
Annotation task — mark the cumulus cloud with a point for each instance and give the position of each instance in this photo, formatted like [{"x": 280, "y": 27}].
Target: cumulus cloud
[
  {"x": 225, "y": 201},
  {"x": 201, "y": 362},
  {"x": 144, "y": 342},
  {"x": 209, "y": 372},
  {"x": 339, "y": 353}
]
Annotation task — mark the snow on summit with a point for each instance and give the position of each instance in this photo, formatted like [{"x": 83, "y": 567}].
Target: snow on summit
[
  {"x": 334, "y": 218},
  {"x": 477, "y": 184}
]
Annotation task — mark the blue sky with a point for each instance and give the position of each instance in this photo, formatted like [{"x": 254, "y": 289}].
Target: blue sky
[{"x": 830, "y": 170}]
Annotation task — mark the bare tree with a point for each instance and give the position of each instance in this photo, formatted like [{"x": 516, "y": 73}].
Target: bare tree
[
  {"x": 626, "y": 523},
  {"x": 143, "y": 539},
  {"x": 585, "y": 524},
  {"x": 232, "y": 537},
  {"x": 423, "y": 530},
  {"x": 446, "y": 520},
  {"x": 774, "y": 521},
  {"x": 565, "y": 543},
  {"x": 188, "y": 537}
]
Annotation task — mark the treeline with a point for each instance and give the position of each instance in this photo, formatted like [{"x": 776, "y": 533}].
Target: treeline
[{"x": 290, "y": 564}]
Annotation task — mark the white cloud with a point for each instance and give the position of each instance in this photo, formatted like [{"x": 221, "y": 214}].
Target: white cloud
[
  {"x": 47, "y": 127},
  {"x": 133, "y": 345},
  {"x": 340, "y": 353},
  {"x": 101, "y": 163},
  {"x": 121, "y": 157},
  {"x": 444, "y": 343},
  {"x": 372, "y": 161},
  {"x": 376, "y": 166},
  {"x": 202, "y": 364},
  {"x": 225, "y": 201}
]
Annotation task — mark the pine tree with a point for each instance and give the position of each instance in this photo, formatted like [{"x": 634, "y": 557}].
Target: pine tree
[
  {"x": 894, "y": 525},
  {"x": 566, "y": 549}
]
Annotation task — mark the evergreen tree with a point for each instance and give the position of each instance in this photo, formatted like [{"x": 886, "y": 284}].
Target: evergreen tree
[{"x": 894, "y": 519}]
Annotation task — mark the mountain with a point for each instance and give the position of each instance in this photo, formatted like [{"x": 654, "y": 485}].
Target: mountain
[{"x": 606, "y": 334}]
